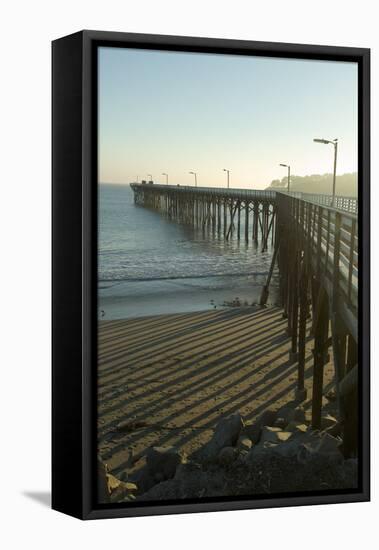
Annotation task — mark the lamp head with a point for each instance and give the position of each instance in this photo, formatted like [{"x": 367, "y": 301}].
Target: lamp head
[{"x": 317, "y": 140}]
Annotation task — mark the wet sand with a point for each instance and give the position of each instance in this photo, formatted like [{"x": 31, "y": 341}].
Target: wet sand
[{"x": 167, "y": 379}]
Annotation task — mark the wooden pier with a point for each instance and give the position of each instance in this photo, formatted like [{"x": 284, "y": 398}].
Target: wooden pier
[
  {"x": 242, "y": 213},
  {"x": 315, "y": 244}
]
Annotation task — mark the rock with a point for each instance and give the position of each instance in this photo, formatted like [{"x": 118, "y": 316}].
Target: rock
[
  {"x": 169, "y": 489},
  {"x": 327, "y": 421},
  {"x": 190, "y": 481},
  {"x": 228, "y": 430},
  {"x": 259, "y": 451},
  {"x": 123, "y": 476},
  {"x": 187, "y": 469},
  {"x": 131, "y": 487},
  {"x": 113, "y": 483},
  {"x": 267, "y": 418},
  {"x": 294, "y": 426},
  {"x": 290, "y": 413},
  {"x": 119, "y": 490},
  {"x": 284, "y": 413},
  {"x": 274, "y": 435},
  {"x": 163, "y": 461},
  {"x": 227, "y": 456},
  {"x": 244, "y": 443},
  {"x": 329, "y": 444},
  {"x": 320, "y": 450},
  {"x": 252, "y": 432},
  {"x": 144, "y": 479},
  {"x": 130, "y": 425},
  {"x": 280, "y": 423},
  {"x": 335, "y": 430},
  {"x": 102, "y": 482},
  {"x": 241, "y": 458},
  {"x": 159, "y": 477},
  {"x": 297, "y": 415},
  {"x": 299, "y": 437},
  {"x": 226, "y": 435}
]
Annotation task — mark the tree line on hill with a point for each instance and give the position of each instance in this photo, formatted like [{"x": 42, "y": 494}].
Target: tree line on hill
[{"x": 346, "y": 184}]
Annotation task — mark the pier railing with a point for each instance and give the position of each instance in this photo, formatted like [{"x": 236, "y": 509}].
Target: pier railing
[
  {"x": 319, "y": 267},
  {"x": 347, "y": 204},
  {"x": 214, "y": 191},
  {"x": 331, "y": 237}
]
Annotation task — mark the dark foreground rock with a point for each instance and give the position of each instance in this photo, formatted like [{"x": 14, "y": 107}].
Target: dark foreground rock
[
  {"x": 162, "y": 462},
  {"x": 278, "y": 453},
  {"x": 226, "y": 434},
  {"x": 269, "y": 473}
]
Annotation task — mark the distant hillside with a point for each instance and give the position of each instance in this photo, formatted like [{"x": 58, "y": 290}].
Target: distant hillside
[{"x": 345, "y": 184}]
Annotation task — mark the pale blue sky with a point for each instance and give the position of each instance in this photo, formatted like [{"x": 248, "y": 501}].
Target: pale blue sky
[{"x": 175, "y": 112}]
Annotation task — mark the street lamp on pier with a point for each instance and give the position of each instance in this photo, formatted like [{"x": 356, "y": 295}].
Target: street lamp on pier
[
  {"x": 164, "y": 174},
  {"x": 227, "y": 176},
  {"x": 288, "y": 176},
  {"x": 150, "y": 176},
  {"x": 335, "y": 143},
  {"x": 194, "y": 174}
]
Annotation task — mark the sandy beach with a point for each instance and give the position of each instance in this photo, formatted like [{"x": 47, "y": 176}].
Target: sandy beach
[{"x": 168, "y": 379}]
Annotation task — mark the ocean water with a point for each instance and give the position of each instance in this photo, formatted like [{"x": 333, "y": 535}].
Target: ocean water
[{"x": 148, "y": 264}]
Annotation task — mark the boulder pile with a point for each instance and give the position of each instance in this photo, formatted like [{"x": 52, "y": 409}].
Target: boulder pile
[{"x": 279, "y": 452}]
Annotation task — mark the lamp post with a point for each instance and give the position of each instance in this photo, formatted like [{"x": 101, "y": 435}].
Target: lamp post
[
  {"x": 150, "y": 176},
  {"x": 227, "y": 176},
  {"x": 164, "y": 174},
  {"x": 194, "y": 174},
  {"x": 289, "y": 175},
  {"x": 335, "y": 143}
]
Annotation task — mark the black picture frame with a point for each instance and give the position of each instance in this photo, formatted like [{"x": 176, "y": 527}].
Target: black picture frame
[{"x": 74, "y": 206}]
